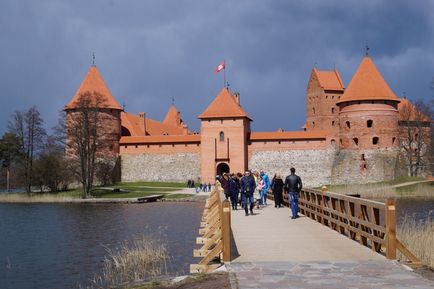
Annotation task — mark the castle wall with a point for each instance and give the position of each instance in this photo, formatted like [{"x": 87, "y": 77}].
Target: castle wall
[
  {"x": 364, "y": 166},
  {"x": 314, "y": 166},
  {"x": 159, "y": 148},
  {"x": 178, "y": 166}
]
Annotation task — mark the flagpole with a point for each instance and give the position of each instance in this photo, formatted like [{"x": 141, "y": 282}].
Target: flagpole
[{"x": 224, "y": 73}]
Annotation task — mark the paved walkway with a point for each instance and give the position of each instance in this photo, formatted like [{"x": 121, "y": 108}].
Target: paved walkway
[{"x": 274, "y": 251}]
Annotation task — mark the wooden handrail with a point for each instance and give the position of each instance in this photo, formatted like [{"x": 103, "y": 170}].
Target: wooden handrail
[
  {"x": 371, "y": 223},
  {"x": 215, "y": 234}
]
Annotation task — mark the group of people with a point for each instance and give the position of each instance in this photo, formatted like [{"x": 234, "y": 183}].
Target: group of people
[
  {"x": 202, "y": 187},
  {"x": 251, "y": 189}
]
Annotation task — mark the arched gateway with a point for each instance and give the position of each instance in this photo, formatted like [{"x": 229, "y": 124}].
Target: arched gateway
[{"x": 222, "y": 168}]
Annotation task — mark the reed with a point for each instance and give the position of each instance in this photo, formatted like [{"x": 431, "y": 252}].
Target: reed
[
  {"x": 138, "y": 260},
  {"x": 418, "y": 236},
  {"x": 36, "y": 198}
]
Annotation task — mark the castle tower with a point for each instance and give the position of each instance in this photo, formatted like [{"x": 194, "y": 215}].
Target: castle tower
[
  {"x": 368, "y": 112},
  {"x": 100, "y": 96},
  {"x": 225, "y": 127},
  {"x": 324, "y": 90},
  {"x": 173, "y": 118}
]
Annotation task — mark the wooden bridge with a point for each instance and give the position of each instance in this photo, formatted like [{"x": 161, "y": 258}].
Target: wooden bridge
[{"x": 338, "y": 242}]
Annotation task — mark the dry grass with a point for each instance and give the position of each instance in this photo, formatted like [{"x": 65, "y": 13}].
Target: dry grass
[
  {"x": 418, "y": 237},
  {"x": 141, "y": 259},
  {"x": 383, "y": 191},
  {"x": 37, "y": 198}
]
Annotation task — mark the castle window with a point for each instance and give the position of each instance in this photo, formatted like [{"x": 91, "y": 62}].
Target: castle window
[
  {"x": 393, "y": 140},
  {"x": 415, "y": 136},
  {"x": 365, "y": 166},
  {"x": 375, "y": 140},
  {"x": 363, "y": 157},
  {"x": 327, "y": 96},
  {"x": 356, "y": 141},
  {"x": 333, "y": 110},
  {"x": 136, "y": 146},
  {"x": 333, "y": 97},
  {"x": 173, "y": 145},
  {"x": 333, "y": 123},
  {"x": 313, "y": 124},
  {"x": 313, "y": 110},
  {"x": 333, "y": 142},
  {"x": 222, "y": 136},
  {"x": 369, "y": 123},
  {"x": 221, "y": 121},
  {"x": 279, "y": 141},
  {"x": 348, "y": 124},
  {"x": 147, "y": 146},
  {"x": 340, "y": 141},
  {"x": 126, "y": 146}
]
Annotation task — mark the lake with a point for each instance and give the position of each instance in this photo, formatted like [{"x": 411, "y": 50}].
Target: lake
[{"x": 62, "y": 245}]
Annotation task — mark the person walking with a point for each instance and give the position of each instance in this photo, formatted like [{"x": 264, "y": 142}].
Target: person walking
[
  {"x": 259, "y": 188},
  {"x": 277, "y": 188},
  {"x": 234, "y": 190},
  {"x": 248, "y": 185},
  {"x": 293, "y": 185},
  {"x": 225, "y": 184},
  {"x": 264, "y": 191}
]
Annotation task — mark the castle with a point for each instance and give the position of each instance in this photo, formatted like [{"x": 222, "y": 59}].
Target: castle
[{"x": 351, "y": 134}]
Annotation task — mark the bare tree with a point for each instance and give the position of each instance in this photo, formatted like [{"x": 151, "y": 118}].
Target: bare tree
[
  {"x": 87, "y": 139},
  {"x": 416, "y": 133},
  {"x": 28, "y": 127}
]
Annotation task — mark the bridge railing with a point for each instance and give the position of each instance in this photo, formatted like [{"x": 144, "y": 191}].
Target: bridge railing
[
  {"x": 214, "y": 234},
  {"x": 371, "y": 223}
]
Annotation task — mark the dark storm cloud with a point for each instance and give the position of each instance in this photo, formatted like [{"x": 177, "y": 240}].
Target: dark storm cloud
[{"x": 149, "y": 51}]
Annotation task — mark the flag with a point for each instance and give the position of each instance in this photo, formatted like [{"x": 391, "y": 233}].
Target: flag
[{"x": 220, "y": 67}]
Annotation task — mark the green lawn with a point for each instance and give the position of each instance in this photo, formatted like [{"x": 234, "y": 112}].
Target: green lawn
[{"x": 150, "y": 184}]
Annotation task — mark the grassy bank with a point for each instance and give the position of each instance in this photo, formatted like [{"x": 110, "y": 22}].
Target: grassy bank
[
  {"x": 120, "y": 190},
  {"x": 392, "y": 189},
  {"x": 419, "y": 238}
]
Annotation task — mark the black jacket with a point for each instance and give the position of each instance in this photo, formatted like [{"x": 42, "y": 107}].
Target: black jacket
[
  {"x": 234, "y": 187},
  {"x": 248, "y": 185},
  {"x": 277, "y": 186},
  {"x": 293, "y": 183}
]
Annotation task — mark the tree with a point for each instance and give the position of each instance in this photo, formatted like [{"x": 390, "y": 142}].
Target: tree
[
  {"x": 28, "y": 127},
  {"x": 416, "y": 134},
  {"x": 86, "y": 137},
  {"x": 9, "y": 151}
]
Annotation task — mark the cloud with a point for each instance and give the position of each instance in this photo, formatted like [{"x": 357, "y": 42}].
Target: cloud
[{"x": 149, "y": 51}]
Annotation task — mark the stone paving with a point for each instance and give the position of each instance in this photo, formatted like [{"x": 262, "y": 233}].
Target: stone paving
[{"x": 320, "y": 275}]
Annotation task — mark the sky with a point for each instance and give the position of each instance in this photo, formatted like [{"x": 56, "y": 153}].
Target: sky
[{"x": 151, "y": 51}]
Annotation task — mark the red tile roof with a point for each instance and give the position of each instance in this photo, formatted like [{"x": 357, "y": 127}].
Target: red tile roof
[
  {"x": 288, "y": 135},
  {"x": 94, "y": 83},
  {"x": 408, "y": 112},
  {"x": 191, "y": 138},
  {"x": 134, "y": 124},
  {"x": 368, "y": 84},
  {"x": 329, "y": 80},
  {"x": 224, "y": 105}
]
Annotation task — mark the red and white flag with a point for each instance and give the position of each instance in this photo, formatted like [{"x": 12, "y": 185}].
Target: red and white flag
[{"x": 220, "y": 67}]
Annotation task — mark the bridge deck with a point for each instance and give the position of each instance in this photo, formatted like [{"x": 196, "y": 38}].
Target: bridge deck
[{"x": 274, "y": 251}]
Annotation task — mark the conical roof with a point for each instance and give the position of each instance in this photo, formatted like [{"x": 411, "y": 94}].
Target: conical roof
[
  {"x": 94, "y": 83},
  {"x": 224, "y": 105},
  {"x": 368, "y": 84},
  {"x": 172, "y": 116}
]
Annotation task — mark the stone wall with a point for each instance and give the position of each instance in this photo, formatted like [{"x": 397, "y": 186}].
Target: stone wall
[
  {"x": 160, "y": 167},
  {"x": 364, "y": 166},
  {"x": 313, "y": 166}
]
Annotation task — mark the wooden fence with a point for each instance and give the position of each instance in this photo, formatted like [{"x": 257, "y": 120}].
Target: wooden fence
[
  {"x": 215, "y": 234},
  {"x": 371, "y": 223}
]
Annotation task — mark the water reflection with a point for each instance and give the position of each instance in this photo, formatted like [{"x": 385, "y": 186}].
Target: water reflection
[{"x": 61, "y": 245}]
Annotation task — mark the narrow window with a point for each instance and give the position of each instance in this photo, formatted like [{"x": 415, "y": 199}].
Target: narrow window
[
  {"x": 363, "y": 157},
  {"x": 222, "y": 136},
  {"x": 333, "y": 142},
  {"x": 375, "y": 140},
  {"x": 356, "y": 141},
  {"x": 313, "y": 124},
  {"x": 147, "y": 146},
  {"x": 333, "y": 110},
  {"x": 340, "y": 140},
  {"x": 313, "y": 110},
  {"x": 415, "y": 136},
  {"x": 369, "y": 123},
  {"x": 221, "y": 121},
  {"x": 333, "y": 123},
  {"x": 126, "y": 146},
  {"x": 279, "y": 141},
  {"x": 393, "y": 140},
  {"x": 365, "y": 166},
  {"x": 173, "y": 145},
  {"x": 348, "y": 124},
  {"x": 136, "y": 146}
]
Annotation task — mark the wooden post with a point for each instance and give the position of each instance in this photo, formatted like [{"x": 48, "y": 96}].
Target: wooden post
[
  {"x": 390, "y": 229},
  {"x": 226, "y": 231}
]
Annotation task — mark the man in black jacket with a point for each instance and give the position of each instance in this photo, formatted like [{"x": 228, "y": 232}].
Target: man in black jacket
[
  {"x": 293, "y": 186},
  {"x": 248, "y": 185}
]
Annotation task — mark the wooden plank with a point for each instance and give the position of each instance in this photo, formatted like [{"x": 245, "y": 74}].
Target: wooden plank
[
  {"x": 390, "y": 229},
  {"x": 226, "y": 231},
  {"x": 406, "y": 252},
  {"x": 212, "y": 254}
]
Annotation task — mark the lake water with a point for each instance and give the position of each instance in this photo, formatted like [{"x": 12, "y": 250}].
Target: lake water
[
  {"x": 62, "y": 245},
  {"x": 420, "y": 208}
]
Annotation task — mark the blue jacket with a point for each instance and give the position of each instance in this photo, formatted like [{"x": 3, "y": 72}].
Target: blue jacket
[
  {"x": 266, "y": 182},
  {"x": 248, "y": 185}
]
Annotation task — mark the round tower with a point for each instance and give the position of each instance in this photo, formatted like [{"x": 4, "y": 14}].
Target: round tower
[
  {"x": 94, "y": 93},
  {"x": 368, "y": 114}
]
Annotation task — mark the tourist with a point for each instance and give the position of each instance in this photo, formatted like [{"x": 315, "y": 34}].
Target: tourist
[
  {"x": 259, "y": 187},
  {"x": 277, "y": 188},
  {"x": 264, "y": 191},
  {"x": 248, "y": 185},
  {"x": 225, "y": 185},
  {"x": 234, "y": 190},
  {"x": 293, "y": 185}
]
